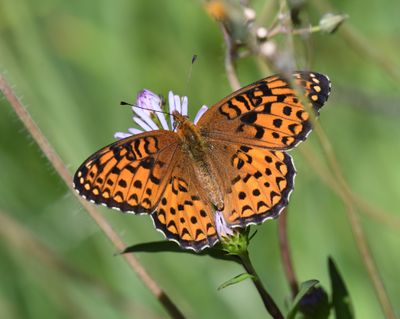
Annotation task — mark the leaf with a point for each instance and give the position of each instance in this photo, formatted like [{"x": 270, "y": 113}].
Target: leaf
[
  {"x": 341, "y": 301},
  {"x": 304, "y": 289},
  {"x": 236, "y": 280},
  {"x": 169, "y": 246}
]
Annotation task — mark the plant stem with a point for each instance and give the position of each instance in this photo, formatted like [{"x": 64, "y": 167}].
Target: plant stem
[
  {"x": 269, "y": 303},
  {"x": 285, "y": 253},
  {"x": 229, "y": 63},
  {"x": 61, "y": 169}
]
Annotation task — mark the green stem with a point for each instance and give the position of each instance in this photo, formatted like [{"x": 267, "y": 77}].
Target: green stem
[{"x": 269, "y": 303}]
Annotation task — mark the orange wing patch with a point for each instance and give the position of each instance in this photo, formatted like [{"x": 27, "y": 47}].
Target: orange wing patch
[
  {"x": 129, "y": 174},
  {"x": 182, "y": 215}
]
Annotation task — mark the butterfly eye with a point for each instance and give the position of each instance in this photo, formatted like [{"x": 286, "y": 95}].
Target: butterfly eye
[{"x": 176, "y": 125}]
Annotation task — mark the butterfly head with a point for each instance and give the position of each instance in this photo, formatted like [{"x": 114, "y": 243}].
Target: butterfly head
[{"x": 179, "y": 119}]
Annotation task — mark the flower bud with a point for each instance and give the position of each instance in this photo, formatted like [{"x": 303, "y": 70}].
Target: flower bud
[
  {"x": 249, "y": 14},
  {"x": 262, "y": 33},
  {"x": 315, "y": 303},
  {"x": 330, "y": 22}
]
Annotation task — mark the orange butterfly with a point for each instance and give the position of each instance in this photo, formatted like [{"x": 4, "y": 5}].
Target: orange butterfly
[{"x": 231, "y": 164}]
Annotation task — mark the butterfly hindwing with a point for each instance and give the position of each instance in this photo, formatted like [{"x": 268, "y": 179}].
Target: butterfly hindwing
[
  {"x": 130, "y": 174},
  {"x": 259, "y": 182},
  {"x": 267, "y": 113},
  {"x": 183, "y": 214}
]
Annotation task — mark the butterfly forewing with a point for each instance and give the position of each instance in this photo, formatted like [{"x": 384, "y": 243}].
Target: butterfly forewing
[
  {"x": 267, "y": 113},
  {"x": 130, "y": 174}
]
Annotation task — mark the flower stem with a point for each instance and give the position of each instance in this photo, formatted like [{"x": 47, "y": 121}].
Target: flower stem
[{"x": 269, "y": 303}]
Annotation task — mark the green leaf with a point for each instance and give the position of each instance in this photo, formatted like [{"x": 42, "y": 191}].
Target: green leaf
[
  {"x": 235, "y": 280},
  {"x": 168, "y": 246},
  {"x": 341, "y": 301},
  {"x": 304, "y": 289}
]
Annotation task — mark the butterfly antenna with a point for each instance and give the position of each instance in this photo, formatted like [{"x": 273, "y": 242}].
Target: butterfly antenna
[
  {"x": 144, "y": 108},
  {"x": 194, "y": 58}
]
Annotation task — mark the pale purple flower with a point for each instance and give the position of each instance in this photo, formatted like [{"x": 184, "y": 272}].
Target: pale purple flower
[
  {"x": 148, "y": 104},
  {"x": 223, "y": 230}
]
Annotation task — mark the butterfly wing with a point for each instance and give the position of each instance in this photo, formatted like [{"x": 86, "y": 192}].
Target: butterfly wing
[
  {"x": 184, "y": 214},
  {"x": 258, "y": 182},
  {"x": 267, "y": 113},
  {"x": 130, "y": 174}
]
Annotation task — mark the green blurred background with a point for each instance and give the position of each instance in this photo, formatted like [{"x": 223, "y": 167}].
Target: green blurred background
[{"x": 71, "y": 62}]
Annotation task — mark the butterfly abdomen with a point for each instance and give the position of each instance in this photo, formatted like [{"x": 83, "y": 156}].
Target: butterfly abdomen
[{"x": 194, "y": 144}]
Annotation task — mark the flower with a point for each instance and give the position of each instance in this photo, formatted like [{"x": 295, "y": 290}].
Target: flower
[{"x": 148, "y": 108}]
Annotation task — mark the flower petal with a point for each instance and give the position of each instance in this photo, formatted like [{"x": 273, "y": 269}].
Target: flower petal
[
  {"x": 200, "y": 113},
  {"x": 142, "y": 123},
  {"x": 121, "y": 135},
  {"x": 223, "y": 230},
  {"x": 134, "y": 131},
  {"x": 178, "y": 103},
  {"x": 171, "y": 102},
  {"x": 184, "y": 105},
  {"x": 145, "y": 117},
  {"x": 163, "y": 121}
]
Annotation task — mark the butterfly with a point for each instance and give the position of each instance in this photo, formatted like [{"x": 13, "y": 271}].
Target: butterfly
[{"x": 232, "y": 162}]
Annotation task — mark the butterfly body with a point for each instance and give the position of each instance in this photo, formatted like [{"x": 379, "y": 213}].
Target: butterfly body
[
  {"x": 196, "y": 147},
  {"x": 233, "y": 161}
]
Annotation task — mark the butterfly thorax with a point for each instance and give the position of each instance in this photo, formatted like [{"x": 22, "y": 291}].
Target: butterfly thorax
[
  {"x": 194, "y": 144},
  {"x": 190, "y": 136}
]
